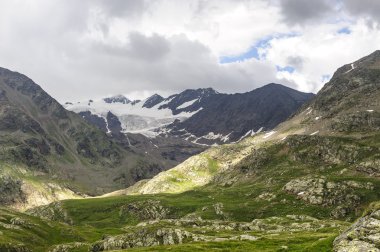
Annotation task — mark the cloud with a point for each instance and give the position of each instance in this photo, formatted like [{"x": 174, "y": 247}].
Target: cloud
[
  {"x": 302, "y": 11},
  {"x": 319, "y": 51},
  {"x": 138, "y": 47},
  {"x": 295, "y": 62},
  {"x": 148, "y": 48},
  {"x": 93, "y": 48},
  {"x": 186, "y": 64},
  {"x": 122, "y": 8},
  {"x": 364, "y": 8},
  {"x": 97, "y": 48}
]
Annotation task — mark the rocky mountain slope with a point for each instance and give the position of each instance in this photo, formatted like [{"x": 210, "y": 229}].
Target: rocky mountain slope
[
  {"x": 363, "y": 235},
  {"x": 201, "y": 116},
  {"x": 322, "y": 165},
  {"x": 343, "y": 115},
  {"x": 298, "y": 187},
  {"x": 143, "y": 117},
  {"x": 48, "y": 153},
  {"x": 230, "y": 118}
]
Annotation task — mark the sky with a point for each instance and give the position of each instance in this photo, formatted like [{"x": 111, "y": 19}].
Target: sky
[{"x": 88, "y": 49}]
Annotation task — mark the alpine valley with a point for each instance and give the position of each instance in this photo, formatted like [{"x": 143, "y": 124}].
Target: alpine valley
[{"x": 273, "y": 169}]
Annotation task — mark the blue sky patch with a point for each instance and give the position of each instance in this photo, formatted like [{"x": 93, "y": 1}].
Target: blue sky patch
[
  {"x": 289, "y": 69},
  {"x": 344, "y": 30},
  {"x": 326, "y": 78},
  {"x": 253, "y": 52}
]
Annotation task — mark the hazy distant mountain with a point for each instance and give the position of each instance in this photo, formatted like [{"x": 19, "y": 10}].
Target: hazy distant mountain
[
  {"x": 201, "y": 116},
  {"x": 117, "y": 98},
  {"x": 229, "y": 118},
  {"x": 49, "y": 153}
]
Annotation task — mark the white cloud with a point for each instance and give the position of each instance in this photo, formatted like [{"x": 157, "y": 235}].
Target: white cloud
[
  {"x": 301, "y": 11},
  {"x": 89, "y": 49},
  {"x": 322, "y": 50}
]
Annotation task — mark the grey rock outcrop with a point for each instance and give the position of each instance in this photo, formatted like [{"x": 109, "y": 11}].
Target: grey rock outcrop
[
  {"x": 143, "y": 238},
  {"x": 319, "y": 191},
  {"x": 11, "y": 191},
  {"x": 69, "y": 247},
  {"x": 363, "y": 235},
  {"x": 53, "y": 212},
  {"x": 144, "y": 210},
  {"x": 370, "y": 167}
]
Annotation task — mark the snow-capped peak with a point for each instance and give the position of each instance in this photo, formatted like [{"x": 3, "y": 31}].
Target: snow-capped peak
[
  {"x": 152, "y": 101},
  {"x": 134, "y": 116},
  {"x": 117, "y": 99}
]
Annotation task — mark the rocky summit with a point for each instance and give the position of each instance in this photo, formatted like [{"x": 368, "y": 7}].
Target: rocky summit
[
  {"x": 310, "y": 183},
  {"x": 199, "y": 116}
]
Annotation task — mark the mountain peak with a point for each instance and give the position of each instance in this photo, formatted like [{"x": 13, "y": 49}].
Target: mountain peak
[
  {"x": 371, "y": 61},
  {"x": 197, "y": 93},
  {"x": 273, "y": 85},
  {"x": 352, "y": 93},
  {"x": 117, "y": 99},
  {"x": 152, "y": 101},
  {"x": 206, "y": 91},
  {"x": 375, "y": 54},
  {"x": 273, "y": 88}
]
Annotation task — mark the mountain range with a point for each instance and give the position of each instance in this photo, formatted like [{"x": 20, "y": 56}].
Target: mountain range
[
  {"x": 308, "y": 183},
  {"x": 49, "y": 153},
  {"x": 201, "y": 116}
]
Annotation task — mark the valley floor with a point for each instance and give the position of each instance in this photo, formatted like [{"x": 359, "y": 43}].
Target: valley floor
[
  {"x": 291, "y": 201},
  {"x": 107, "y": 228}
]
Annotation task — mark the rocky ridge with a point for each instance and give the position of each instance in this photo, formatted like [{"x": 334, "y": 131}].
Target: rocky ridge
[
  {"x": 200, "y": 116},
  {"x": 363, "y": 235}
]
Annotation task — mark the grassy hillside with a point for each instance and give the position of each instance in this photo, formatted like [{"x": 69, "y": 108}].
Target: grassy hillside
[
  {"x": 47, "y": 149},
  {"x": 209, "y": 220},
  {"x": 344, "y": 113},
  {"x": 249, "y": 200},
  {"x": 293, "y": 189}
]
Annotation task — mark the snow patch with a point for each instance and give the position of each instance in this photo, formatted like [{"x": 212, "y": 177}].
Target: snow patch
[
  {"x": 108, "y": 129},
  {"x": 269, "y": 134},
  {"x": 212, "y": 136},
  {"x": 352, "y": 68},
  {"x": 134, "y": 118},
  {"x": 370, "y": 110},
  {"x": 209, "y": 136},
  {"x": 129, "y": 142},
  {"x": 187, "y": 104},
  {"x": 164, "y": 102},
  {"x": 308, "y": 110},
  {"x": 261, "y": 129},
  {"x": 249, "y": 132},
  {"x": 226, "y": 137},
  {"x": 314, "y": 133}
]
